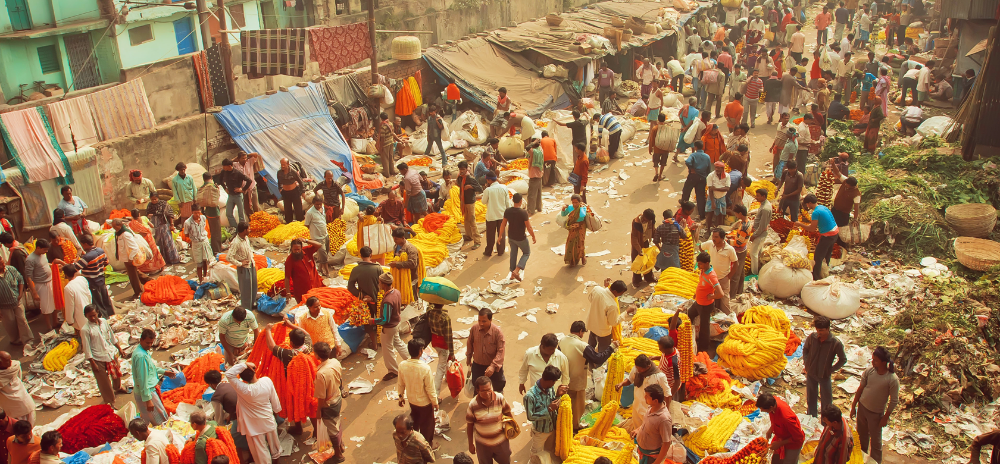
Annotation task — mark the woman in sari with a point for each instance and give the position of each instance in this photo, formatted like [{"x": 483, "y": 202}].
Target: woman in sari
[
  {"x": 139, "y": 227},
  {"x": 875, "y": 118},
  {"x": 575, "y": 215},
  {"x": 162, "y": 217},
  {"x": 778, "y": 57},
  {"x": 688, "y": 114},
  {"x": 63, "y": 229},
  {"x": 61, "y": 251}
]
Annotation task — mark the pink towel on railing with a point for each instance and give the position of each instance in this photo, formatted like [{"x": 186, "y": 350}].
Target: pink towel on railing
[
  {"x": 72, "y": 121},
  {"x": 122, "y": 109},
  {"x": 33, "y": 144}
]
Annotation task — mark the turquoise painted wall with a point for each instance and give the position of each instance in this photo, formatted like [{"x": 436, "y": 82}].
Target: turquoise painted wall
[
  {"x": 19, "y": 61},
  {"x": 163, "y": 45},
  {"x": 41, "y": 13},
  {"x": 5, "y": 26},
  {"x": 74, "y": 11}
]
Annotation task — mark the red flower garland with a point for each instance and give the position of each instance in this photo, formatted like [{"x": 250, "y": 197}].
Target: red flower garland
[{"x": 94, "y": 426}]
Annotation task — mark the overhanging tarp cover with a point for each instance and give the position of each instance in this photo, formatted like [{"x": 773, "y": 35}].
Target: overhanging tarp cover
[
  {"x": 296, "y": 125},
  {"x": 479, "y": 69},
  {"x": 558, "y": 43}
]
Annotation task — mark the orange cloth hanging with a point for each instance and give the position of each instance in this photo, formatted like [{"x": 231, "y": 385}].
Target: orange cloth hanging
[{"x": 404, "y": 101}]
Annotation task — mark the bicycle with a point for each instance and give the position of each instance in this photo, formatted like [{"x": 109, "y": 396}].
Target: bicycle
[{"x": 37, "y": 87}]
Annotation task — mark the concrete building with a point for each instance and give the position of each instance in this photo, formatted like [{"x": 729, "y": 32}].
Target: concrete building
[{"x": 79, "y": 44}]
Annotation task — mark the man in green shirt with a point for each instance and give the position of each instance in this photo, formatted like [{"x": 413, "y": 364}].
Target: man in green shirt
[
  {"x": 146, "y": 376},
  {"x": 234, "y": 333}
]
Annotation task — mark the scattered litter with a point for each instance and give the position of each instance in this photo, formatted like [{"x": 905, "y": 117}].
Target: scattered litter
[{"x": 522, "y": 335}]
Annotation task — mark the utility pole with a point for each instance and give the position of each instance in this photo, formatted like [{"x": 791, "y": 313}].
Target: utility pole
[
  {"x": 203, "y": 15},
  {"x": 371, "y": 38},
  {"x": 227, "y": 52}
]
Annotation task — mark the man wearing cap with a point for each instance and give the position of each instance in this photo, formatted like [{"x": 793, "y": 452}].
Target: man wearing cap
[
  {"x": 139, "y": 189},
  {"x": 497, "y": 200},
  {"x": 388, "y": 318},
  {"x": 718, "y": 187}
]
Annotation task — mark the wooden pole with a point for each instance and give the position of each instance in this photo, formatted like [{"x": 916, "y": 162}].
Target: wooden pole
[
  {"x": 371, "y": 37},
  {"x": 227, "y": 52},
  {"x": 203, "y": 15}
]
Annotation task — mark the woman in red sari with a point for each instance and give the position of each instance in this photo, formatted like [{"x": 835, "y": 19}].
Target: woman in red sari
[
  {"x": 779, "y": 60},
  {"x": 156, "y": 264}
]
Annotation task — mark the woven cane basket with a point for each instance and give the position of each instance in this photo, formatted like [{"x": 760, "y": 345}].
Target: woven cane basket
[
  {"x": 971, "y": 219},
  {"x": 406, "y": 47},
  {"x": 976, "y": 253},
  {"x": 553, "y": 19}
]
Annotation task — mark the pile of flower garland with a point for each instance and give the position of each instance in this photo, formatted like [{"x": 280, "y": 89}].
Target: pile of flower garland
[{"x": 94, "y": 426}]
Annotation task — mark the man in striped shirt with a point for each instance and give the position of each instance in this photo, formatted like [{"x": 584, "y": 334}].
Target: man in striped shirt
[
  {"x": 609, "y": 122},
  {"x": 92, "y": 264},
  {"x": 485, "y": 424},
  {"x": 750, "y": 97}
]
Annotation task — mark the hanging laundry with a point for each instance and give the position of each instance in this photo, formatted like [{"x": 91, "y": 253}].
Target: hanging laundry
[
  {"x": 122, "y": 110},
  {"x": 338, "y": 47},
  {"x": 418, "y": 98},
  {"x": 204, "y": 81},
  {"x": 217, "y": 75},
  {"x": 31, "y": 142},
  {"x": 268, "y": 52},
  {"x": 73, "y": 124},
  {"x": 359, "y": 125},
  {"x": 404, "y": 101}
]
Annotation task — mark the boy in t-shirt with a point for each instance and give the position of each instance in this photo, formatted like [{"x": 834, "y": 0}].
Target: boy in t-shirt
[{"x": 670, "y": 361}]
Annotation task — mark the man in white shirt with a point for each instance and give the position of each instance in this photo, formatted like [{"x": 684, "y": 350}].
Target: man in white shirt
[
  {"x": 691, "y": 60},
  {"x": 14, "y": 398},
  {"x": 845, "y": 76},
  {"x": 798, "y": 45},
  {"x": 255, "y": 409},
  {"x": 156, "y": 442},
  {"x": 718, "y": 186},
  {"x": 315, "y": 221},
  {"x": 924, "y": 82},
  {"x": 101, "y": 349},
  {"x": 497, "y": 200},
  {"x": 604, "y": 312},
  {"x": 909, "y": 82},
  {"x": 845, "y": 45},
  {"x": 417, "y": 387},
  {"x": 241, "y": 254},
  {"x": 756, "y": 24},
  {"x": 196, "y": 228},
  {"x": 724, "y": 260},
  {"x": 77, "y": 296},
  {"x": 535, "y": 360},
  {"x": 910, "y": 118},
  {"x": 131, "y": 249}
]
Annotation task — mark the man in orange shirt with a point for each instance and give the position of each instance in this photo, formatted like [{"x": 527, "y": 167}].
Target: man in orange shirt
[
  {"x": 22, "y": 443},
  {"x": 549, "y": 154},
  {"x": 453, "y": 97},
  {"x": 715, "y": 144},
  {"x": 734, "y": 111}
]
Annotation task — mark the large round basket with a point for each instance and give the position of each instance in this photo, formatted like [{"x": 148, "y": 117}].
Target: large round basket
[
  {"x": 976, "y": 253},
  {"x": 406, "y": 47},
  {"x": 553, "y": 19},
  {"x": 971, "y": 219}
]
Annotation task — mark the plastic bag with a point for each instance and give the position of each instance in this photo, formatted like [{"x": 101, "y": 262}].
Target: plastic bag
[
  {"x": 171, "y": 383},
  {"x": 351, "y": 335},
  {"x": 831, "y": 298},
  {"x": 269, "y": 305},
  {"x": 519, "y": 186},
  {"x": 323, "y": 442},
  {"x": 106, "y": 241},
  {"x": 469, "y": 126},
  {"x": 351, "y": 210},
  {"x": 455, "y": 376},
  {"x": 940, "y": 126},
  {"x": 222, "y": 272},
  {"x": 643, "y": 264},
  {"x": 379, "y": 238},
  {"x": 782, "y": 281}
]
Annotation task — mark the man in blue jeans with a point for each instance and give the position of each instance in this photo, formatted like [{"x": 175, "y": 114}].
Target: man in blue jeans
[
  {"x": 824, "y": 223},
  {"x": 517, "y": 219},
  {"x": 235, "y": 183},
  {"x": 699, "y": 166}
]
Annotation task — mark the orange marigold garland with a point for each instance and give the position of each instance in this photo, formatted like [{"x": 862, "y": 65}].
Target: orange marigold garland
[
  {"x": 189, "y": 394},
  {"x": 298, "y": 403},
  {"x": 341, "y": 301},
  {"x": 267, "y": 364},
  {"x": 195, "y": 372},
  {"x": 173, "y": 456},
  {"x": 221, "y": 446}
]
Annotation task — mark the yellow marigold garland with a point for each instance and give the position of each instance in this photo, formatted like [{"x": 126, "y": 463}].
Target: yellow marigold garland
[
  {"x": 711, "y": 438},
  {"x": 57, "y": 359},
  {"x": 753, "y": 351}
]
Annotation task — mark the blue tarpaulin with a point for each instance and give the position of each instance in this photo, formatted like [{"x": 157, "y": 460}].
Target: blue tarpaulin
[{"x": 296, "y": 125}]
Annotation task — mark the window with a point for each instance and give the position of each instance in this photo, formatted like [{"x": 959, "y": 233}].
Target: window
[
  {"x": 140, "y": 34},
  {"x": 48, "y": 59},
  {"x": 236, "y": 16}
]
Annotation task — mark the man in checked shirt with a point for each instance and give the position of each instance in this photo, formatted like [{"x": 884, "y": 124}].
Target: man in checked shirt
[
  {"x": 441, "y": 339},
  {"x": 485, "y": 351}
]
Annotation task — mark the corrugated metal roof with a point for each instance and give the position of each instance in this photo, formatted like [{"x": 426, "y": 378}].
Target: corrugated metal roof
[{"x": 970, "y": 9}]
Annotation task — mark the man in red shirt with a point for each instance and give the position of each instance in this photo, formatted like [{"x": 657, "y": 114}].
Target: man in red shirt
[
  {"x": 549, "y": 155},
  {"x": 300, "y": 269},
  {"x": 453, "y": 97},
  {"x": 785, "y": 426},
  {"x": 581, "y": 167}
]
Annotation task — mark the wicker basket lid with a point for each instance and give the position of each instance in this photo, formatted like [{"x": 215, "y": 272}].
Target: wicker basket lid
[
  {"x": 970, "y": 211},
  {"x": 406, "y": 47},
  {"x": 976, "y": 253}
]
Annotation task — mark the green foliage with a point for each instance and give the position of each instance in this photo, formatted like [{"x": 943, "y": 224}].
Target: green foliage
[
  {"x": 468, "y": 4},
  {"x": 841, "y": 140}
]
